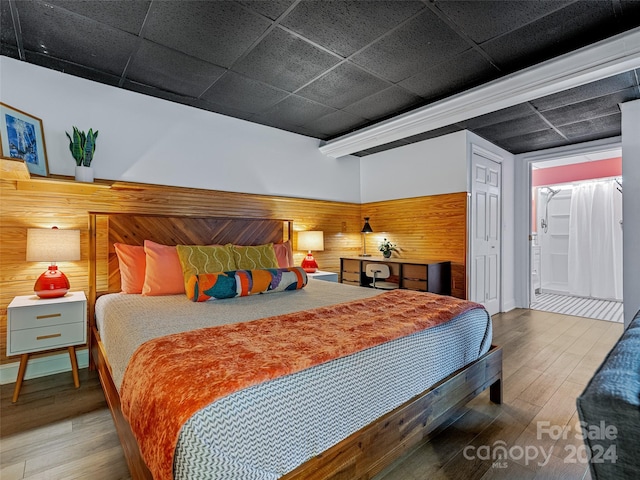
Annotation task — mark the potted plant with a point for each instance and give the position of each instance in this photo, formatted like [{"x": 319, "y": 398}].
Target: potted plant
[
  {"x": 386, "y": 247},
  {"x": 82, "y": 147}
]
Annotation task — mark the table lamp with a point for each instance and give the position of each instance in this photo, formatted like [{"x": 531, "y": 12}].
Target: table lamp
[
  {"x": 310, "y": 240},
  {"x": 365, "y": 230},
  {"x": 52, "y": 245}
]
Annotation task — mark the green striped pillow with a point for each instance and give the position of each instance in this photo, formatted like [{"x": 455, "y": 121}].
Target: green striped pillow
[
  {"x": 254, "y": 257},
  {"x": 197, "y": 259}
]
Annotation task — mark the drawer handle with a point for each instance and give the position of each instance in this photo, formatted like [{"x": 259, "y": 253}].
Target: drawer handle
[
  {"x": 51, "y": 315},
  {"x": 53, "y": 335}
]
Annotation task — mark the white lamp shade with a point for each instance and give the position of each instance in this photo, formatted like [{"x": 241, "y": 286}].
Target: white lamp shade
[
  {"x": 53, "y": 245},
  {"x": 312, "y": 240}
]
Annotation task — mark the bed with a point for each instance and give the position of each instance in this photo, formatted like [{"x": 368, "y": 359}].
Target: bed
[{"x": 386, "y": 417}]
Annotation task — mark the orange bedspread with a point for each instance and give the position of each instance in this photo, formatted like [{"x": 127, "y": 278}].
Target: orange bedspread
[{"x": 170, "y": 378}]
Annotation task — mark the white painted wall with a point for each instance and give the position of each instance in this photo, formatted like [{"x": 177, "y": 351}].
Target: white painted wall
[
  {"x": 442, "y": 165},
  {"x": 147, "y": 140},
  {"x": 431, "y": 167},
  {"x": 631, "y": 208}
]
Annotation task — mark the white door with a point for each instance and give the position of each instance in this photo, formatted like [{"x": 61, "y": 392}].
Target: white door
[{"x": 485, "y": 232}]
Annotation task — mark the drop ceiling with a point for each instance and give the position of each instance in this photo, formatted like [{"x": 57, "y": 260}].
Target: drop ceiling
[{"x": 327, "y": 68}]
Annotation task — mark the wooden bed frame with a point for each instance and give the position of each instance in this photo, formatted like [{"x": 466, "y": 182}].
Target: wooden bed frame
[{"x": 360, "y": 456}]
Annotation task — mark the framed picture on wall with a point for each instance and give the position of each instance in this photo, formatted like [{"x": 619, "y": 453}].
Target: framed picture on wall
[{"x": 22, "y": 136}]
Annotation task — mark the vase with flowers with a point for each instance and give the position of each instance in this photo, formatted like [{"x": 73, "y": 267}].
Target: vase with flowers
[{"x": 386, "y": 247}]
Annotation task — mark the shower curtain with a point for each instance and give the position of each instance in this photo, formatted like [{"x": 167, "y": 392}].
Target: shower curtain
[{"x": 595, "y": 241}]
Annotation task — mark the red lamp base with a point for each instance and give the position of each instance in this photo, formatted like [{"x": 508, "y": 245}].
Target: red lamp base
[
  {"x": 51, "y": 284},
  {"x": 309, "y": 264}
]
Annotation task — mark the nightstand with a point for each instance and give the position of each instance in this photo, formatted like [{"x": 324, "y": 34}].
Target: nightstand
[
  {"x": 326, "y": 276},
  {"x": 36, "y": 324}
]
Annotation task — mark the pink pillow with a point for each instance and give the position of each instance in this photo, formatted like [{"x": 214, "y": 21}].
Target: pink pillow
[
  {"x": 163, "y": 274},
  {"x": 132, "y": 262},
  {"x": 284, "y": 254}
]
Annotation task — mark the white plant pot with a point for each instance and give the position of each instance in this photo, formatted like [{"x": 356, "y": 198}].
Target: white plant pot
[{"x": 84, "y": 174}]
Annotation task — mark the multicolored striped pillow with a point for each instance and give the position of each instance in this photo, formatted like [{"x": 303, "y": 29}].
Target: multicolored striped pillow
[{"x": 240, "y": 283}]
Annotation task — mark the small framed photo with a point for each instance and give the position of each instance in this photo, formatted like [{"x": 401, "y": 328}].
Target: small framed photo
[{"x": 22, "y": 136}]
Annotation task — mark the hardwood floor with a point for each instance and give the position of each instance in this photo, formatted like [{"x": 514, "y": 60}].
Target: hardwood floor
[{"x": 57, "y": 432}]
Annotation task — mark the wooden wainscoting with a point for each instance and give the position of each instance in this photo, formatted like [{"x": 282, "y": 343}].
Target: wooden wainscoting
[
  {"x": 432, "y": 227},
  {"x": 44, "y": 202}
]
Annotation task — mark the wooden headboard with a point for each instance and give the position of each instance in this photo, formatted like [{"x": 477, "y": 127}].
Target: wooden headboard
[{"x": 133, "y": 229}]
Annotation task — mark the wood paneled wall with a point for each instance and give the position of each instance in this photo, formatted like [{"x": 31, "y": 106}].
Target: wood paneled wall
[
  {"x": 422, "y": 227},
  {"x": 433, "y": 227}
]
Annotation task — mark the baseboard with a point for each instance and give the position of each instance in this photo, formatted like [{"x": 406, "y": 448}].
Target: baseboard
[
  {"x": 43, "y": 366},
  {"x": 508, "y": 305}
]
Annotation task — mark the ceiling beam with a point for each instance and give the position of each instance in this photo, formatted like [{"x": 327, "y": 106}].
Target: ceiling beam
[{"x": 606, "y": 58}]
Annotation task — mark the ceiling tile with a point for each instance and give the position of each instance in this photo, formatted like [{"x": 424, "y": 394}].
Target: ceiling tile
[
  {"x": 280, "y": 123},
  {"x": 461, "y": 72},
  {"x": 158, "y": 93},
  {"x": 482, "y": 21},
  {"x": 170, "y": 70},
  {"x": 7, "y": 32},
  {"x": 336, "y": 122},
  {"x": 285, "y": 61},
  {"x": 10, "y": 51},
  {"x": 67, "y": 36},
  {"x": 499, "y": 116},
  {"x": 72, "y": 68},
  {"x": 513, "y": 128},
  {"x": 218, "y": 32},
  {"x": 127, "y": 16},
  {"x": 604, "y": 126},
  {"x": 414, "y": 47},
  {"x": 532, "y": 141},
  {"x": 438, "y": 132},
  {"x": 386, "y": 102},
  {"x": 570, "y": 28},
  {"x": 599, "y": 88},
  {"x": 342, "y": 86},
  {"x": 271, "y": 9},
  {"x": 345, "y": 26},
  {"x": 297, "y": 111},
  {"x": 630, "y": 13},
  {"x": 596, "y": 107},
  {"x": 237, "y": 91}
]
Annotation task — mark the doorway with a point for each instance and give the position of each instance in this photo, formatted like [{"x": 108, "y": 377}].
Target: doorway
[
  {"x": 486, "y": 247},
  {"x": 576, "y": 236}
]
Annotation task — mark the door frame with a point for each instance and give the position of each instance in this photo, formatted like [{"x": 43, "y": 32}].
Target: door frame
[
  {"x": 523, "y": 164},
  {"x": 469, "y": 250}
]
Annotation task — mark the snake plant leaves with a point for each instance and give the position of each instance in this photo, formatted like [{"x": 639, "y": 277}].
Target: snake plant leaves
[
  {"x": 89, "y": 147},
  {"x": 82, "y": 146}
]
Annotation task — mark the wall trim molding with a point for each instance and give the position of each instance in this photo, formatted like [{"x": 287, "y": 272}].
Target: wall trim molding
[
  {"x": 43, "y": 366},
  {"x": 606, "y": 58}
]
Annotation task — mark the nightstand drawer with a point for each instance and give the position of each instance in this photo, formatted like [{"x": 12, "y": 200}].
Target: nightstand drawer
[
  {"x": 44, "y": 338},
  {"x": 47, "y": 315}
]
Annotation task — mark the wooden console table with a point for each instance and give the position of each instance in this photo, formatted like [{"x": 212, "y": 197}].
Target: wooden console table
[{"x": 424, "y": 275}]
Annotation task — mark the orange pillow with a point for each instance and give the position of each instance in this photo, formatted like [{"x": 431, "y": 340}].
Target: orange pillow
[
  {"x": 132, "y": 263},
  {"x": 284, "y": 254},
  {"x": 163, "y": 274}
]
